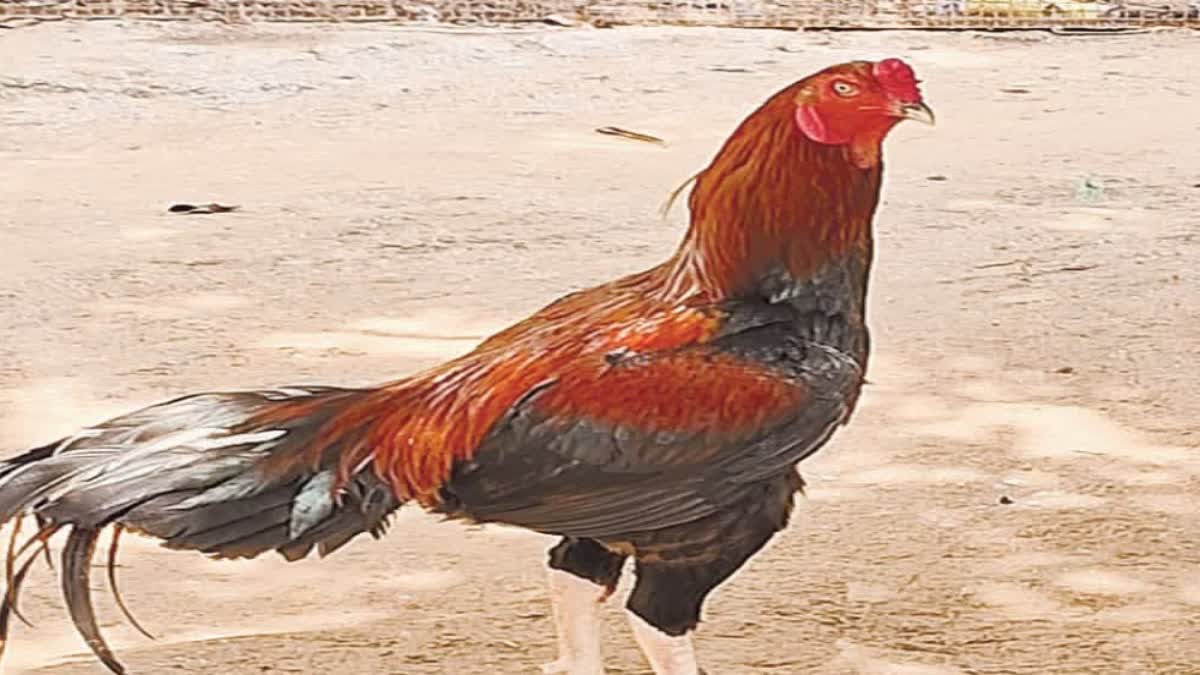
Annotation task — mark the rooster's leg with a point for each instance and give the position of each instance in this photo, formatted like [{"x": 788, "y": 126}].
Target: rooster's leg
[
  {"x": 582, "y": 576},
  {"x": 667, "y": 654},
  {"x": 575, "y": 602},
  {"x": 678, "y": 567}
]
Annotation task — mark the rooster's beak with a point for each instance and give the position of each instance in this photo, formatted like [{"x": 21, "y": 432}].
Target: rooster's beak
[{"x": 918, "y": 112}]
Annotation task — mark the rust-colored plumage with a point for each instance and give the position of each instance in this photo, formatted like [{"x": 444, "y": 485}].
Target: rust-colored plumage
[
  {"x": 660, "y": 416},
  {"x": 773, "y": 197},
  {"x": 414, "y": 430},
  {"x": 770, "y": 197}
]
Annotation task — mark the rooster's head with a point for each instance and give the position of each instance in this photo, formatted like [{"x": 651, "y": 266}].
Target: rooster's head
[{"x": 856, "y": 104}]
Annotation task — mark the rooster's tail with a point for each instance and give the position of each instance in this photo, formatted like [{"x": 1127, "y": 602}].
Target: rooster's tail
[{"x": 232, "y": 475}]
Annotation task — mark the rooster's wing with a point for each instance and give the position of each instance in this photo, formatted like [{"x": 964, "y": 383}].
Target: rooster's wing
[{"x": 649, "y": 441}]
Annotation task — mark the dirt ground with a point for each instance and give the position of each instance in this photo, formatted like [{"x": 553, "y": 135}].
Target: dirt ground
[{"x": 1036, "y": 308}]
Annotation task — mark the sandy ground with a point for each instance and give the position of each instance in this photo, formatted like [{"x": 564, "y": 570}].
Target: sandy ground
[{"x": 406, "y": 192}]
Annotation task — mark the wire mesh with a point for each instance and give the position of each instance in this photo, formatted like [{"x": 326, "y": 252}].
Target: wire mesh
[{"x": 834, "y": 14}]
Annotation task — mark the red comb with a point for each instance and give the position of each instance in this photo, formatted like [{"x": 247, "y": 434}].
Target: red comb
[{"x": 898, "y": 80}]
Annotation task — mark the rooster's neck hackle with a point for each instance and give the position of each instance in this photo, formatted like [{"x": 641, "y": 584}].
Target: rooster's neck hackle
[{"x": 773, "y": 200}]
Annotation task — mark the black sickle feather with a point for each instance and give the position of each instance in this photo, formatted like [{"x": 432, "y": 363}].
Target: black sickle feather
[
  {"x": 112, "y": 582},
  {"x": 77, "y": 561}
]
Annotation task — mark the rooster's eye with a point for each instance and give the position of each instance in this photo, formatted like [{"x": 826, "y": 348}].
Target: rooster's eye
[{"x": 844, "y": 88}]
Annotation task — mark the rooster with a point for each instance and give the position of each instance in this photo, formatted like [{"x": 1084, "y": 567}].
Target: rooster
[{"x": 659, "y": 417}]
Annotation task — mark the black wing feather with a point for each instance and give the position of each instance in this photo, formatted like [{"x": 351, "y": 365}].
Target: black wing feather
[{"x": 582, "y": 479}]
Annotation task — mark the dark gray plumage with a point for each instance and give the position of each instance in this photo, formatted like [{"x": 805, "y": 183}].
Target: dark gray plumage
[{"x": 192, "y": 473}]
